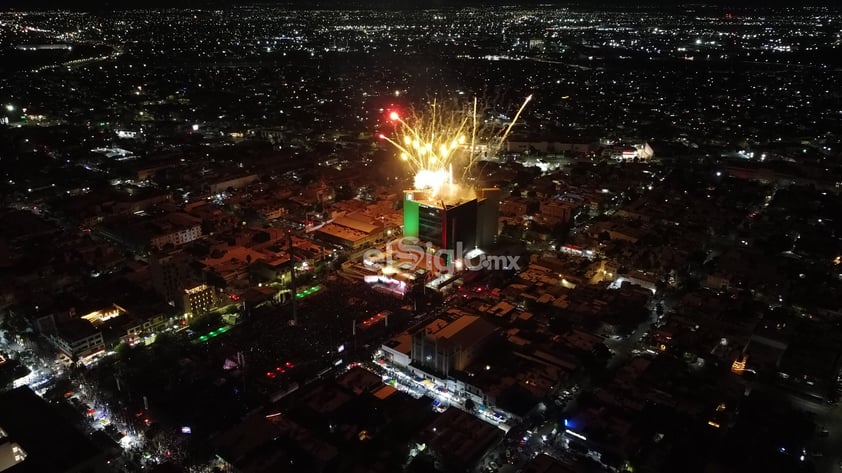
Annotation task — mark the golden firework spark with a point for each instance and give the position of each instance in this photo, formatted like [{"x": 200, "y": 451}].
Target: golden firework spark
[{"x": 445, "y": 138}]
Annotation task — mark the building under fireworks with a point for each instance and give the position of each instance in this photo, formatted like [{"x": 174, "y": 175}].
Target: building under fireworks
[
  {"x": 447, "y": 223},
  {"x": 444, "y": 223}
]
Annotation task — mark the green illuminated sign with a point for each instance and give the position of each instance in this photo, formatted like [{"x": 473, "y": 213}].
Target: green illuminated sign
[{"x": 410, "y": 218}]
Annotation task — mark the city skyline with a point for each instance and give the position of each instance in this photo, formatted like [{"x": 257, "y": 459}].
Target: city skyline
[
  {"x": 92, "y": 5},
  {"x": 560, "y": 238}
]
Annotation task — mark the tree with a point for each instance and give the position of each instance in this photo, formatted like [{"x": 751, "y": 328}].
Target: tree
[{"x": 470, "y": 405}]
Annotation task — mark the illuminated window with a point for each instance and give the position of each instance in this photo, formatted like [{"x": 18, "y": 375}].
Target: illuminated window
[
  {"x": 739, "y": 365},
  {"x": 14, "y": 452}
]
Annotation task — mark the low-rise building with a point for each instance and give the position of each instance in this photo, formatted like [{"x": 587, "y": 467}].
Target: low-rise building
[
  {"x": 77, "y": 338},
  {"x": 142, "y": 234},
  {"x": 459, "y": 440},
  {"x": 200, "y": 300},
  {"x": 557, "y": 210},
  {"x": 352, "y": 231},
  {"x": 444, "y": 346},
  {"x": 398, "y": 350},
  {"x": 237, "y": 182}
]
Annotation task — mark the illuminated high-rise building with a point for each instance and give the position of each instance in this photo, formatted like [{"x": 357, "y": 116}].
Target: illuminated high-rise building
[{"x": 473, "y": 222}]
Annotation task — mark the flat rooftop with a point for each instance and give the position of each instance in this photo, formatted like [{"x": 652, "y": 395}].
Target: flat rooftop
[
  {"x": 465, "y": 330},
  {"x": 342, "y": 232},
  {"x": 76, "y": 329},
  {"x": 401, "y": 343},
  {"x": 423, "y": 197},
  {"x": 359, "y": 223},
  {"x": 460, "y": 437}
]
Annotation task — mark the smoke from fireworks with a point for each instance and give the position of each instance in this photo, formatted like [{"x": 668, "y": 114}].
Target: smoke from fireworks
[{"x": 443, "y": 139}]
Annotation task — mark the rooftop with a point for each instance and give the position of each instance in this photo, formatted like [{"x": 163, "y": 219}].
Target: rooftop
[
  {"x": 50, "y": 443},
  {"x": 460, "y": 437},
  {"x": 465, "y": 330}
]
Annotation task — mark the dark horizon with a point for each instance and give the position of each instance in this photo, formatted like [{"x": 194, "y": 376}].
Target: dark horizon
[{"x": 116, "y": 5}]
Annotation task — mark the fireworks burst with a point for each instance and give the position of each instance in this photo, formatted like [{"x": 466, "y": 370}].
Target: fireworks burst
[{"x": 444, "y": 139}]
